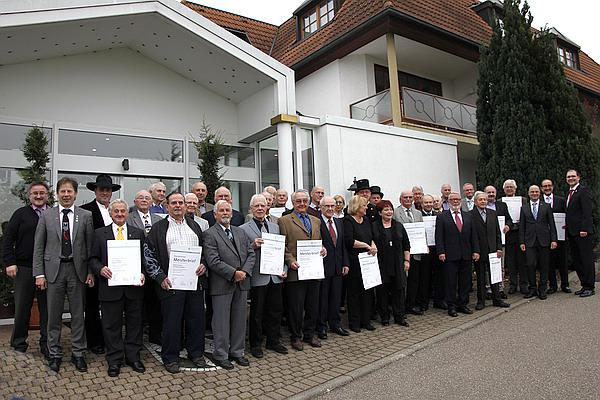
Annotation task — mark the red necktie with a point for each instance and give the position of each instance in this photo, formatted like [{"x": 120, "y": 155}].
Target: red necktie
[
  {"x": 570, "y": 195},
  {"x": 332, "y": 232},
  {"x": 458, "y": 221}
]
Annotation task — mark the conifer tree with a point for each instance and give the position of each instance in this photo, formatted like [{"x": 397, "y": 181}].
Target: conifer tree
[{"x": 211, "y": 149}]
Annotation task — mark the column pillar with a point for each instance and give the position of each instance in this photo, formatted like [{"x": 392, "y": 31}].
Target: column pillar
[
  {"x": 394, "y": 84},
  {"x": 285, "y": 148}
]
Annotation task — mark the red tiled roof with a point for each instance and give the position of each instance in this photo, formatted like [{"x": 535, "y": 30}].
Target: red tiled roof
[
  {"x": 261, "y": 34},
  {"x": 453, "y": 16}
]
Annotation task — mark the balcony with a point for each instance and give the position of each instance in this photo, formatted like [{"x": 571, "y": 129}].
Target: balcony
[{"x": 420, "y": 108}]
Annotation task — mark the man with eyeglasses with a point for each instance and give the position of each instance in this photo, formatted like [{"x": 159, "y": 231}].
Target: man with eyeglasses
[
  {"x": 140, "y": 216},
  {"x": 18, "y": 257}
]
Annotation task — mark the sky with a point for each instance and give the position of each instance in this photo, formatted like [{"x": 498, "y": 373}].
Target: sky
[{"x": 575, "y": 19}]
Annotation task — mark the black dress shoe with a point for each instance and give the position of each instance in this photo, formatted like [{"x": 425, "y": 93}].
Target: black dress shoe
[
  {"x": 79, "y": 363},
  {"x": 452, "y": 313},
  {"x": 587, "y": 293},
  {"x": 385, "y": 322},
  {"x": 256, "y": 352},
  {"x": 415, "y": 311},
  {"x": 464, "y": 310},
  {"x": 441, "y": 305},
  {"x": 479, "y": 306},
  {"x": 241, "y": 361},
  {"x": 173, "y": 367},
  {"x": 524, "y": 291},
  {"x": 552, "y": 290},
  {"x": 138, "y": 366},
  {"x": 297, "y": 345},
  {"x": 225, "y": 364},
  {"x": 402, "y": 322},
  {"x": 355, "y": 329},
  {"x": 340, "y": 331},
  {"x": 529, "y": 295},
  {"x": 542, "y": 295},
  {"x": 114, "y": 370},
  {"x": 501, "y": 304},
  {"x": 578, "y": 292},
  {"x": 322, "y": 335},
  {"x": 54, "y": 364},
  {"x": 97, "y": 349},
  {"x": 277, "y": 347},
  {"x": 369, "y": 327},
  {"x": 313, "y": 341},
  {"x": 503, "y": 295},
  {"x": 566, "y": 290}
]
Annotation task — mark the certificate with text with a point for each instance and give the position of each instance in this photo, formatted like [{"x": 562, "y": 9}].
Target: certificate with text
[
  {"x": 514, "y": 207},
  {"x": 276, "y": 212},
  {"x": 308, "y": 257},
  {"x": 183, "y": 263},
  {"x": 495, "y": 268},
  {"x": 271, "y": 254},
  {"x": 417, "y": 237},
  {"x": 429, "y": 222},
  {"x": 369, "y": 269},
  {"x": 502, "y": 224},
  {"x": 560, "y": 223},
  {"x": 124, "y": 262}
]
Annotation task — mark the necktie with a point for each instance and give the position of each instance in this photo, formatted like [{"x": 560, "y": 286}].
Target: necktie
[
  {"x": 484, "y": 216},
  {"x": 147, "y": 225},
  {"x": 38, "y": 211},
  {"x": 409, "y": 215},
  {"x": 306, "y": 223},
  {"x": 571, "y": 191},
  {"x": 120, "y": 233},
  {"x": 66, "y": 248},
  {"x": 332, "y": 232},
  {"x": 458, "y": 221},
  {"x": 534, "y": 210},
  {"x": 263, "y": 227},
  {"x": 229, "y": 234},
  {"x": 549, "y": 200}
]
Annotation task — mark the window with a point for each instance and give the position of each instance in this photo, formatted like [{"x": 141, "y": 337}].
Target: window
[
  {"x": 304, "y": 140},
  {"x": 316, "y": 17},
  {"x": 237, "y": 156},
  {"x": 12, "y": 137},
  {"x": 567, "y": 57},
  {"x": 382, "y": 81}
]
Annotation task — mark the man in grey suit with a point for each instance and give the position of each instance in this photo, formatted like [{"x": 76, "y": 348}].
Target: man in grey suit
[
  {"x": 201, "y": 191},
  {"x": 63, "y": 242},
  {"x": 266, "y": 296},
  {"x": 407, "y": 213},
  {"x": 230, "y": 259},
  {"x": 140, "y": 215},
  {"x": 468, "y": 202}
]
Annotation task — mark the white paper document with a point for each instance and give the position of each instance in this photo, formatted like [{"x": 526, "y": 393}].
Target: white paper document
[
  {"x": 308, "y": 257},
  {"x": 369, "y": 269},
  {"x": 417, "y": 237},
  {"x": 560, "y": 223},
  {"x": 495, "y": 268},
  {"x": 429, "y": 222},
  {"x": 183, "y": 263},
  {"x": 514, "y": 207},
  {"x": 271, "y": 254},
  {"x": 124, "y": 261},
  {"x": 502, "y": 224},
  {"x": 276, "y": 212}
]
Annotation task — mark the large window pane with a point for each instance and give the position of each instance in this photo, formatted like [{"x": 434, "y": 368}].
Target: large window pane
[
  {"x": 119, "y": 146},
  {"x": 12, "y": 137},
  {"x": 305, "y": 140},
  {"x": 84, "y": 195},
  {"x": 9, "y": 178},
  {"x": 236, "y": 156},
  {"x": 269, "y": 167}
]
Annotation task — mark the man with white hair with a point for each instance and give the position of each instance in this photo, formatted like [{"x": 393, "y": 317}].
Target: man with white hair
[
  {"x": 200, "y": 190},
  {"x": 222, "y": 193},
  {"x": 445, "y": 191},
  {"x": 158, "y": 191},
  {"x": 191, "y": 205},
  {"x": 281, "y": 198}
]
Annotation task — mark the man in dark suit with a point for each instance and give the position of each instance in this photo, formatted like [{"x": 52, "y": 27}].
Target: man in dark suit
[
  {"x": 336, "y": 265},
  {"x": 580, "y": 227},
  {"x": 230, "y": 260},
  {"x": 456, "y": 243},
  {"x": 200, "y": 190},
  {"x": 103, "y": 189},
  {"x": 558, "y": 256},
  {"x": 316, "y": 194},
  {"x": 222, "y": 193},
  {"x": 266, "y": 296},
  {"x": 177, "y": 306},
  {"x": 302, "y": 295},
  {"x": 158, "y": 191},
  {"x": 485, "y": 223},
  {"x": 18, "y": 257},
  {"x": 62, "y": 245},
  {"x": 501, "y": 211},
  {"x": 116, "y": 300},
  {"x": 537, "y": 235}
]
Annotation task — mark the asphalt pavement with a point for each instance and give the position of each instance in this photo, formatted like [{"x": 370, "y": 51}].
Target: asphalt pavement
[{"x": 542, "y": 350}]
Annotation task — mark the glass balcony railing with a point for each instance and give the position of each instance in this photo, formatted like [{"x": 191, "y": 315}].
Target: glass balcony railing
[{"x": 377, "y": 108}]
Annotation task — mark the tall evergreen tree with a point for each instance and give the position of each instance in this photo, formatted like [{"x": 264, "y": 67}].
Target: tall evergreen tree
[{"x": 211, "y": 149}]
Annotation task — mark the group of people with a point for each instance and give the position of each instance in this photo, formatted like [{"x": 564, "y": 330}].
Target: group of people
[{"x": 53, "y": 252}]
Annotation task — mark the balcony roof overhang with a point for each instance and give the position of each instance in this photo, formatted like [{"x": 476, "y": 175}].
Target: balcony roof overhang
[{"x": 164, "y": 31}]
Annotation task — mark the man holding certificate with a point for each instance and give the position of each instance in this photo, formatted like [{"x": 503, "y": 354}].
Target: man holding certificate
[
  {"x": 485, "y": 223},
  {"x": 302, "y": 295},
  {"x": 163, "y": 247},
  {"x": 558, "y": 256},
  {"x": 266, "y": 306},
  {"x": 116, "y": 259},
  {"x": 230, "y": 259}
]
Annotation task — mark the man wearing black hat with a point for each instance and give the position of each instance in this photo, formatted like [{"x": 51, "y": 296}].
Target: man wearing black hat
[
  {"x": 376, "y": 195},
  {"x": 362, "y": 188},
  {"x": 103, "y": 188}
]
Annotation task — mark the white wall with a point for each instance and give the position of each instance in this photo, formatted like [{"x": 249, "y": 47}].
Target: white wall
[
  {"x": 255, "y": 112},
  {"x": 393, "y": 158},
  {"x": 116, "y": 88},
  {"x": 354, "y": 85},
  {"x": 319, "y": 93}
]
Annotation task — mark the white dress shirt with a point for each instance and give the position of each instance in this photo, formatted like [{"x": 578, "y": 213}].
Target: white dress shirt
[
  {"x": 105, "y": 214},
  {"x": 116, "y": 231},
  {"x": 332, "y": 224},
  {"x": 71, "y": 217}
]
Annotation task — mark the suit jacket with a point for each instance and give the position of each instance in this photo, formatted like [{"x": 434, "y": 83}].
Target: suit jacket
[
  {"x": 488, "y": 232},
  {"x": 99, "y": 258},
  {"x": 237, "y": 218},
  {"x": 502, "y": 211},
  {"x": 559, "y": 204},
  {"x": 47, "y": 245},
  {"x": 540, "y": 231},
  {"x": 158, "y": 209},
  {"x": 135, "y": 220},
  {"x": 97, "y": 219},
  {"x": 223, "y": 259},
  {"x": 249, "y": 217},
  {"x": 456, "y": 245},
  {"x": 157, "y": 256},
  {"x": 400, "y": 216},
  {"x": 293, "y": 229},
  {"x": 579, "y": 212},
  {"x": 252, "y": 232},
  {"x": 337, "y": 256},
  {"x": 207, "y": 205},
  {"x": 464, "y": 207},
  {"x": 201, "y": 222}
]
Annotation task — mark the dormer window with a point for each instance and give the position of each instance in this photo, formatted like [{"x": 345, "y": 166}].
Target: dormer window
[
  {"x": 316, "y": 16},
  {"x": 567, "y": 57}
]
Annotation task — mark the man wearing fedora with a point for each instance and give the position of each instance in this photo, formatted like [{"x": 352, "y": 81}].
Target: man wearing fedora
[
  {"x": 103, "y": 187},
  {"x": 362, "y": 188}
]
